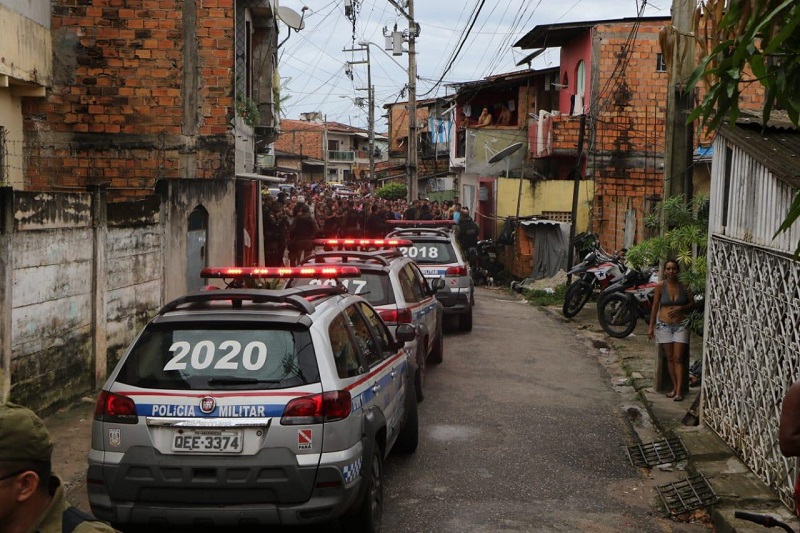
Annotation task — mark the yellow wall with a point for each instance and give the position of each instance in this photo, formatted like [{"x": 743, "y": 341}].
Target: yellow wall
[
  {"x": 26, "y": 47},
  {"x": 540, "y": 196}
]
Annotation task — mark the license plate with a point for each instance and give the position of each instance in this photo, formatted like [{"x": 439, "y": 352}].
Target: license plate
[
  {"x": 432, "y": 272},
  {"x": 207, "y": 441}
]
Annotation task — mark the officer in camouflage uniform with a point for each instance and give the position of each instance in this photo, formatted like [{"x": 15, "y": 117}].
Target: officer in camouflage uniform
[{"x": 32, "y": 500}]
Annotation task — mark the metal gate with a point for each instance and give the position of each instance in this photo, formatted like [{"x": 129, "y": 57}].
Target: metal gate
[{"x": 752, "y": 354}]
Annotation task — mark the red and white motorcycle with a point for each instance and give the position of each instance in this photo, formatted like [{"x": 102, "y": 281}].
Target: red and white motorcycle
[
  {"x": 624, "y": 302},
  {"x": 595, "y": 273}
]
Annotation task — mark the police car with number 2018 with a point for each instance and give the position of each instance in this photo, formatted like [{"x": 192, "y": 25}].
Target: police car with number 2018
[
  {"x": 394, "y": 285},
  {"x": 251, "y": 407},
  {"x": 436, "y": 250}
]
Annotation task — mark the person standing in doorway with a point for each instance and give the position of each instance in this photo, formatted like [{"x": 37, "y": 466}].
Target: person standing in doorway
[{"x": 672, "y": 302}]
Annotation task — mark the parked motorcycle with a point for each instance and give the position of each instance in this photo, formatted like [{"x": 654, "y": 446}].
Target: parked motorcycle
[
  {"x": 623, "y": 303},
  {"x": 484, "y": 257},
  {"x": 596, "y": 272}
]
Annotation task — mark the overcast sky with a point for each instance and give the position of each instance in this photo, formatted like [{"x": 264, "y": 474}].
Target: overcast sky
[{"x": 312, "y": 63}]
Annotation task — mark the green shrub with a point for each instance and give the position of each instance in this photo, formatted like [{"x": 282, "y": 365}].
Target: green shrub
[{"x": 392, "y": 191}]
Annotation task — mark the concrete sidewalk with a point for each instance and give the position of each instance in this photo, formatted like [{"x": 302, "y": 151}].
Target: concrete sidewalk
[{"x": 631, "y": 363}]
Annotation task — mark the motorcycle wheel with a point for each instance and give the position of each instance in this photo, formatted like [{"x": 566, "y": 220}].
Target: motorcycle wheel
[
  {"x": 577, "y": 295},
  {"x": 617, "y": 315}
]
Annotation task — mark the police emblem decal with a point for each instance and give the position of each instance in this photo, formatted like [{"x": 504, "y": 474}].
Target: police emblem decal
[{"x": 208, "y": 404}]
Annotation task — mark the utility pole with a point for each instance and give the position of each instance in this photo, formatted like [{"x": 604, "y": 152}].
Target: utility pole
[
  {"x": 371, "y": 98},
  {"x": 679, "y": 138},
  {"x": 576, "y": 187},
  {"x": 411, "y": 160}
]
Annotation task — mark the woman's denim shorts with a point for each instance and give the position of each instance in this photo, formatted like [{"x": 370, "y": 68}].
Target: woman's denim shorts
[{"x": 666, "y": 333}]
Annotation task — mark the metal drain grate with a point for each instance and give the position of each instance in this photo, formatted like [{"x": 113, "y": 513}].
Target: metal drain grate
[
  {"x": 657, "y": 452},
  {"x": 692, "y": 493}
]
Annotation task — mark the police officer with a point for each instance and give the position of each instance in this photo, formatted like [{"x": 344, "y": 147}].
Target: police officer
[{"x": 32, "y": 499}]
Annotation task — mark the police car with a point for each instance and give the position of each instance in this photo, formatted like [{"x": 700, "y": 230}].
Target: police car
[
  {"x": 434, "y": 247},
  {"x": 252, "y": 407},
  {"x": 395, "y": 287}
]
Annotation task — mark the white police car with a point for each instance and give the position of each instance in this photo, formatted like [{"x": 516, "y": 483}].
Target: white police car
[
  {"x": 434, "y": 247},
  {"x": 395, "y": 287},
  {"x": 252, "y": 407}
]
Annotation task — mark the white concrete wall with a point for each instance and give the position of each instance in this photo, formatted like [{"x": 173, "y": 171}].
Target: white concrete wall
[{"x": 25, "y": 42}]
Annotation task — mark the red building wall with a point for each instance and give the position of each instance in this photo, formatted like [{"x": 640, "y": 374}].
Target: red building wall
[
  {"x": 301, "y": 138},
  {"x": 115, "y": 113}
]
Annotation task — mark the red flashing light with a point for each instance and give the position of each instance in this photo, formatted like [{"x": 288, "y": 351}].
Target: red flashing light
[
  {"x": 115, "y": 408},
  {"x": 396, "y": 316},
  {"x": 455, "y": 272},
  {"x": 281, "y": 272},
  {"x": 365, "y": 243},
  {"x": 317, "y": 408},
  {"x": 420, "y": 222}
]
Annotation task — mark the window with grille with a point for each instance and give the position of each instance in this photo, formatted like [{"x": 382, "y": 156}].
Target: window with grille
[{"x": 661, "y": 65}]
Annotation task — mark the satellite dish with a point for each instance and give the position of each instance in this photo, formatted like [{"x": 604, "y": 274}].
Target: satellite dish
[
  {"x": 505, "y": 152},
  {"x": 291, "y": 18}
]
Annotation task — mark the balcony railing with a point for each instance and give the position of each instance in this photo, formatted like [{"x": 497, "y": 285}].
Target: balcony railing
[{"x": 337, "y": 155}]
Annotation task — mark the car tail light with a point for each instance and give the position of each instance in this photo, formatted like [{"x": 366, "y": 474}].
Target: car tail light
[
  {"x": 396, "y": 316},
  {"x": 317, "y": 408},
  {"x": 115, "y": 408},
  {"x": 456, "y": 272}
]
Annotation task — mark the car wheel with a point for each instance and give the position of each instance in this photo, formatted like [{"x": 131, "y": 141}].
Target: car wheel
[
  {"x": 465, "y": 321},
  {"x": 370, "y": 514},
  {"x": 437, "y": 353}
]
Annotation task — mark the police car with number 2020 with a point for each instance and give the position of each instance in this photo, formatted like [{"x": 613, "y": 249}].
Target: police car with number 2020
[
  {"x": 394, "y": 285},
  {"x": 436, "y": 250},
  {"x": 251, "y": 407}
]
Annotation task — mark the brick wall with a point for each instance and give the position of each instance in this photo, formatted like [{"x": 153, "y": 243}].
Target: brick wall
[
  {"x": 629, "y": 105},
  {"x": 301, "y": 138},
  {"x": 115, "y": 113}
]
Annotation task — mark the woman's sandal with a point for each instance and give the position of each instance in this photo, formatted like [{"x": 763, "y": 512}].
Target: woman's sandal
[
  {"x": 678, "y": 398},
  {"x": 671, "y": 394}
]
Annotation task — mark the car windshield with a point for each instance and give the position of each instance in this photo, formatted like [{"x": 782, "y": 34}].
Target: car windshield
[
  {"x": 430, "y": 252},
  {"x": 213, "y": 355},
  {"x": 373, "y": 286}
]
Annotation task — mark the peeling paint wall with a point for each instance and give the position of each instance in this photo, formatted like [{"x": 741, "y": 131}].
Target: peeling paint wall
[{"x": 80, "y": 277}]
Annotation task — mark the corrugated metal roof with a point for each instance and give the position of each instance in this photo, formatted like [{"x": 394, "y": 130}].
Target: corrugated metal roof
[
  {"x": 553, "y": 35},
  {"x": 777, "y": 148},
  {"x": 540, "y": 222}
]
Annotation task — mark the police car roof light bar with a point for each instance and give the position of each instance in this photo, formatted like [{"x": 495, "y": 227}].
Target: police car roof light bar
[
  {"x": 362, "y": 243},
  {"x": 296, "y": 297},
  {"x": 280, "y": 272}
]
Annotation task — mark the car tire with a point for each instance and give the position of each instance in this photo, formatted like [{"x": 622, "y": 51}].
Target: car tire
[
  {"x": 465, "y": 321},
  {"x": 370, "y": 513},
  {"x": 408, "y": 439},
  {"x": 437, "y": 353}
]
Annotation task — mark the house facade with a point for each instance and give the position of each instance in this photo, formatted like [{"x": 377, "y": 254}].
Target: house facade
[
  {"x": 327, "y": 151},
  {"x": 613, "y": 73},
  {"x": 752, "y": 328}
]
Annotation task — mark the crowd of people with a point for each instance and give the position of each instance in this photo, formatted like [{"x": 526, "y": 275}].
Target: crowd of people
[{"x": 293, "y": 221}]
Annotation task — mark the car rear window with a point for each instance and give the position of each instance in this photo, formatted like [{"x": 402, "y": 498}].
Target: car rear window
[
  {"x": 430, "y": 252},
  {"x": 220, "y": 356},
  {"x": 374, "y": 286}
]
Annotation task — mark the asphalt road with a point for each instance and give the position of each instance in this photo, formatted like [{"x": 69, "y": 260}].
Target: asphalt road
[{"x": 520, "y": 431}]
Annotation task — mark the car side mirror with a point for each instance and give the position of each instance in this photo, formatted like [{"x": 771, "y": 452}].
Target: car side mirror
[
  {"x": 405, "y": 333},
  {"x": 437, "y": 284}
]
